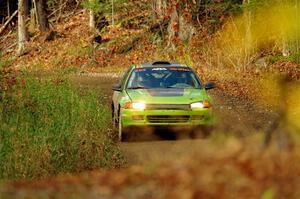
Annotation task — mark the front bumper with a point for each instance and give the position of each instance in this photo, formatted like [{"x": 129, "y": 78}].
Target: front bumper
[{"x": 167, "y": 118}]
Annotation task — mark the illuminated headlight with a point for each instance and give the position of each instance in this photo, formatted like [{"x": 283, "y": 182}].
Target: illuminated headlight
[
  {"x": 204, "y": 104},
  {"x": 135, "y": 105},
  {"x": 138, "y": 105}
]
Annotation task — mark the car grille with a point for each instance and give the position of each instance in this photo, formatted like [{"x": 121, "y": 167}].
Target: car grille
[
  {"x": 168, "y": 106},
  {"x": 168, "y": 118}
]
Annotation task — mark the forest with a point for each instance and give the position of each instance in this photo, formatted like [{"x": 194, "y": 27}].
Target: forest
[{"x": 59, "y": 60}]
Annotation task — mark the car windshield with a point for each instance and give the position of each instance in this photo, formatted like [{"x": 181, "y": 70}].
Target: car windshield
[{"x": 161, "y": 77}]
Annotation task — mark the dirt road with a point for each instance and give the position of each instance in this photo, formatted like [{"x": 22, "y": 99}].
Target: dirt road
[{"x": 235, "y": 116}]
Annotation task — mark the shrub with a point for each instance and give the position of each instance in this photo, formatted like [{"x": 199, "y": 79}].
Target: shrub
[{"x": 48, "y": 128}]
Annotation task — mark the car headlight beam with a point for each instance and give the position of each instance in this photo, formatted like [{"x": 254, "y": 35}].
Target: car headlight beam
[
  {"x": 138, "y": 105},
  {"x": 135, "y": 105},
  {"x": 203, "y": 104}
]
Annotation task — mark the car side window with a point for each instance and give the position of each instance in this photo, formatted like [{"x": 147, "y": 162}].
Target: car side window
[{"x": 124, "y": 77}]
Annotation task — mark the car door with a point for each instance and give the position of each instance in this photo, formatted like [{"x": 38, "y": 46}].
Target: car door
[{"x": 119, "y": 93}]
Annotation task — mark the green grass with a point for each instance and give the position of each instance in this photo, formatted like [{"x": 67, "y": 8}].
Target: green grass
[
  {"x": 47, "y": 128},
  {"x": 80, "y": 49},
  {"x": 4, "y": 63},
  {"x": 295, "y": 58}
]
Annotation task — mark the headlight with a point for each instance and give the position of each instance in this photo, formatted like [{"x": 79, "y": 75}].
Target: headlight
[
  {"x": 135, "y": 105},
  {"x": 138, "y": 105},
  {"x": 203, "y": 104}
]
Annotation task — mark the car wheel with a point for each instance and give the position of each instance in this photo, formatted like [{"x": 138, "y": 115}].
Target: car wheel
[
  {"x": 115, "y": 130},
  {"x": 121, "y": 130},
  {"x": 201, "y": 132}
]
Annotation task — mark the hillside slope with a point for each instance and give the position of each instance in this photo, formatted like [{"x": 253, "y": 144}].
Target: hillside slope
[{"x": 70, "y": 46}]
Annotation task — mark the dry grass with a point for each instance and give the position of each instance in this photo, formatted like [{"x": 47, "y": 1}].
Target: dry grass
[
  {"x": 48, "y": 127},
  {"x": 227, "y": 168}
]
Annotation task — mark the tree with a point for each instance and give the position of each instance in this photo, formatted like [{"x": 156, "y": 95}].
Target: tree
[
  {"x": 22, "y": 30},
  {"x": 41, "y": 15},
  {"x": 27, "y": 7},
  {"x": 159, "y": 7},
  {"x": 112, "y": 12},
  {"x": 92, "y": 17},
  {"x": 180, "y": 26}
]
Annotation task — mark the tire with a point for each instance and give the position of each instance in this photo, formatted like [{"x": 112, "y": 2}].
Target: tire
[
  {"x": 121, "y": 131},
  {"x": 201, "y": 132},
  {"x": 115, "y": 130}
]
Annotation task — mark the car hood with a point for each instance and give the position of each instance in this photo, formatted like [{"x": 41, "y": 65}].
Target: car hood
[{"x": 167, "y": 96}]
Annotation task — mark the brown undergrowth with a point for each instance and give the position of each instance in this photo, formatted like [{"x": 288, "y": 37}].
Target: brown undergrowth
[{"x": 233, "y": 169}]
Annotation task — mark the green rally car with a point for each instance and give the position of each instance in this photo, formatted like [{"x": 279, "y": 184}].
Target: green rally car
[{"x": 161, "y": 94}]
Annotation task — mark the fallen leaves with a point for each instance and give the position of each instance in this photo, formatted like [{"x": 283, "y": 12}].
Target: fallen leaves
[{"x": 241, "y": 173}]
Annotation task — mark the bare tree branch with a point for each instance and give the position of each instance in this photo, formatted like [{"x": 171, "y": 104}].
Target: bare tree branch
[{"x": 7, "y": 22}]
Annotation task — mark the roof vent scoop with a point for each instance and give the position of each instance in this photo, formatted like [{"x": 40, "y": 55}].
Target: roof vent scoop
[{"x": 161, "y": 63}]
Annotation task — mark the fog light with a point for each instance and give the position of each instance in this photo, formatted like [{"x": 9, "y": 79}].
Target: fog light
[
  {"x": 197, "y": 117},
  {"x": 138, "y": 117}
]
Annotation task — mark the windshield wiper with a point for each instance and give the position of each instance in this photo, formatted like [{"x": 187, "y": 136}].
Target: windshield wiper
[
  {"x": 138, "y": 87},
  {"x": 178, "y": 87}
]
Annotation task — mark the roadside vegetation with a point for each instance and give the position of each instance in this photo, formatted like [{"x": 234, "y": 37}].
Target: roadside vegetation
[
  {"x": 49, "y": 127},
  {"x": 221, "y": 168}
]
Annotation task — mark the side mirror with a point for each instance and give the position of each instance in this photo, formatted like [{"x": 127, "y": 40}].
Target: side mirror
[
  {"x": 117, "y": 87},
  {"x": 209, "y": 85}
]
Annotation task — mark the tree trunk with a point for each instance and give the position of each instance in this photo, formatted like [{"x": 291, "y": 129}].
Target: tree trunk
[
  {"x": 112, "y": 12},
  {"x": 42, "y": 19},
  {"x": 22, "y": 30},
  {"x": 173, "y": 28},
  {"x": 180, "y": 28},
  {"x": 92, "y": 18},
  {"x": 159, "y": 8},
  {"x": 27, "y": 8},
  {"x": 3, "y": 27},
  {"x": 156, "y": 6},
  {"x": 8, "y": 10}
]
